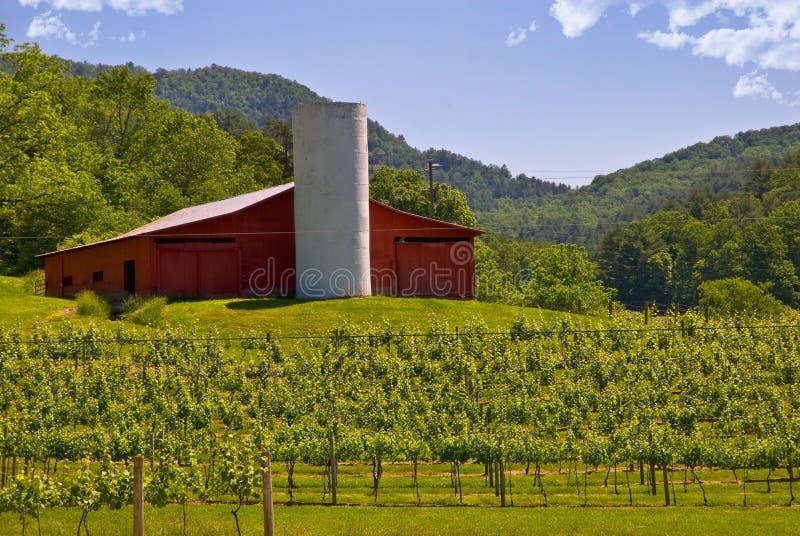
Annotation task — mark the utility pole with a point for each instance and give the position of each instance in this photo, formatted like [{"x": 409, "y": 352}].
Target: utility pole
[{"x": 431, "y": 190}]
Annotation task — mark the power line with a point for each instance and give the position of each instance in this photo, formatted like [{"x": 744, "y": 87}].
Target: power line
[{"x": 688, "y": 219}]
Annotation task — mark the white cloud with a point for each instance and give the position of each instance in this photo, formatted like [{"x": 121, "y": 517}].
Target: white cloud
[
  {"x": 141, "y": 7},
  {"x": 74, "y": 5},
  {"x": 671, "y": 40},
  {"x": 683, "y": 14},
  {"x": 577, "y": 16},
  {"x": 765, "y": 33},
  {"x": 49, "y": 26},
  {"x": 130, "y": 7},
  {"x": 762, "y": 32},
  {"x": 756, "y": 86},
  {"x": 92, "y": 36},
  {"x": 515, "y": 37},
  {"x": 131, "y": 37}
]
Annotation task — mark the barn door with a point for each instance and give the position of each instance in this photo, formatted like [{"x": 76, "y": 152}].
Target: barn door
[
  {"x": 432, "y": 267},
  {"x": 198, "y": 269}
]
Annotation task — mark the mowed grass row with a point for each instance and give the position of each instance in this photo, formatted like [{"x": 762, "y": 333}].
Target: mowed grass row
[
  {"x": 562, "y": 487},
  {"x": 215, "y": 520}
]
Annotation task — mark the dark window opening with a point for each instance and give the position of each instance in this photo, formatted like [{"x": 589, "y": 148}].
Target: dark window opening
[
  {"x": 129, "y": 276},
  {"x": 66, "y": 281},
  {"x": 97, "y": 276}
]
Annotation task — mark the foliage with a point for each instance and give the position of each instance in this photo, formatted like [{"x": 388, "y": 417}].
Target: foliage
[
  {"x": 666, "y": 257},
  {"x": 723, "y": 398},
  {"x": 562, "y": 277},
  {"x": 88, "y": 158},
  {"x": 90, "y": 304},
  {"x": 738, "y": 297},
  {"x": 34, "y": 282},
  {"x": 408, "y": 190},
  {"x": 144, "y": 311}
]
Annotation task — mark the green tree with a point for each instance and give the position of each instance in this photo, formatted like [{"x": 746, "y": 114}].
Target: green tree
[
  {"x": 562, "y": 277},
  {"x": 258, "y": 160},
  {"x": 736, "y": 296},
  {"x": 408, "y": 190}
]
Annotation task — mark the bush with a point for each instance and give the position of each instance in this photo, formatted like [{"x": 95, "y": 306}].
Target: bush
[
  {"x": 737, "y": 296},
  {"x": 34, "y": 282},
  {"x": 144, "y": 311},
  {"x": 90, "y": 304},
  {"x": 563, "y": 278}
]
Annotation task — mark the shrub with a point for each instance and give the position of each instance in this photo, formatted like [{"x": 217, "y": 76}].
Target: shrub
[
  {"x": 144, "y": 311},
  {"x": 90, "y": 304},
  {"x": 34, "y": 282},
  {"x": 563, "y": 278},
  {"x": 737, "y": 296}
]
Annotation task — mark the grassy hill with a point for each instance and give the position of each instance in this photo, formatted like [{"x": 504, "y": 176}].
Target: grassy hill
[{"x": 245, "y": 316}]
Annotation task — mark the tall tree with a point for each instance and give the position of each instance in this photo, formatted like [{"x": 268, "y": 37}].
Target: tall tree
[{"x": 408, "y": 190}]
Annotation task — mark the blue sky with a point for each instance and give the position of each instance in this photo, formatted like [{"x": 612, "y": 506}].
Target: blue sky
[{"x": 561, "y": 89}]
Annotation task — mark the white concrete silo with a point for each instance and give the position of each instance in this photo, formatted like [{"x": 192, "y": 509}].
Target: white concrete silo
[{"x": 331, "y": 200}]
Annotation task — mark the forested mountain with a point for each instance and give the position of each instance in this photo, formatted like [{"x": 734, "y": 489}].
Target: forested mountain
[
  {"x": 261, "y": 97},
  {"x": 684, "y": 179},
  {"x": 752, "y": 233}
]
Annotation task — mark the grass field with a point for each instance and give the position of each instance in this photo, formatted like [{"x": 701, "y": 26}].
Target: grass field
[
  {"x": 19, "y": 307},
  {"x": 213, "y": 520},
  {"x": 293, "y": 317},
  {"x": 239, "y": 316}
]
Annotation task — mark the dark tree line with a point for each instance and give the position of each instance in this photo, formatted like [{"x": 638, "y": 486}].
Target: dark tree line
[{"x": 751, "y": 234}]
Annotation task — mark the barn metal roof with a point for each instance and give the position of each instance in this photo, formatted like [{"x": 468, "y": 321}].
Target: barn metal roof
[
  {"x": 207, "y": 211},
  {"x": 193, "y": 214},
  {"x": 228, "y": 206}
]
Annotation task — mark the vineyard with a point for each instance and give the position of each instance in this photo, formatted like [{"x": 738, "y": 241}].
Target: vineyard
[{"x": 684, "y": 412}]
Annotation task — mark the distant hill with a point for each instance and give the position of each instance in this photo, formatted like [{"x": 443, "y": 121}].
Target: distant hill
[
  {"x": 259, "y": 96},
  {"x": 521, "y": 207},
  {"x": 692, "y": 175}
]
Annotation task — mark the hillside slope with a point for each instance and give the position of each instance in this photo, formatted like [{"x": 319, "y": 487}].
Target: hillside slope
[
  {"x": 676, "y": 180},
  {"x": 521, "y": 207},
  {"x": 259, "y": 96}
]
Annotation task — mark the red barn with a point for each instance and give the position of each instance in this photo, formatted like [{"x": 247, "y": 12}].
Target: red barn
[{"x": 245, "y": 246}]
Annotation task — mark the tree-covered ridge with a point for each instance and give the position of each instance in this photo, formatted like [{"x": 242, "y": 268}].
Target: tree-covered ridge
[
  {"x": 256, "y": 96},
  {"x": 751, "y": 234},
  {"x": 680, "y": 179},
  {"x": 261, "y": 97}
]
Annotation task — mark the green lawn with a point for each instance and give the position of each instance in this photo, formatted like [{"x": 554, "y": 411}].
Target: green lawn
[
  {"x": 18, "y": 307},
  {"x": 241, "y": 316},
  {"x": 299, "y": 317},
  {"x": 208, "y": 520}
]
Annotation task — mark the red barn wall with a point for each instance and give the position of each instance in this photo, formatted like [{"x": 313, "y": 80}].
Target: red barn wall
[
  {"x": 195, "y": 259},
  {"x": 252, "y": 252},
  {"x": 414, "y": 256},
  {"x": 80, "y": 265}
]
